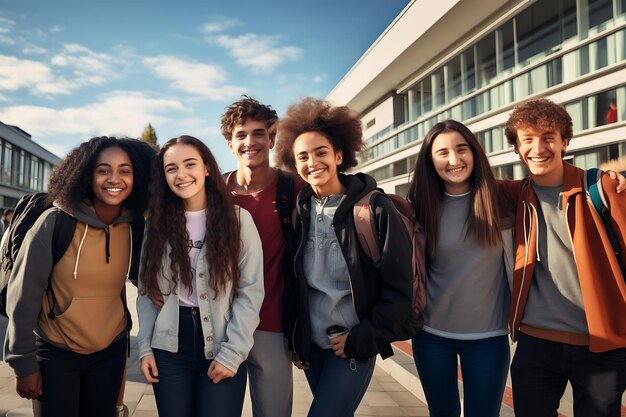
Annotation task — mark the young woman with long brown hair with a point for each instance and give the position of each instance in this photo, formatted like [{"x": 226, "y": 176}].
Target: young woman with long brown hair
[
  {"x": 454, "y": 195},
  {"x": 206, "y": 261}
]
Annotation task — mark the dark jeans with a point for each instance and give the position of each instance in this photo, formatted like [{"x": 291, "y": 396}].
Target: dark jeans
[
  {"x": 80, "y": 385},
  {"x": 484, "y": 366},
  {"x": 337, "y": 384},
  {"x": 541, "y": 369},
  {"x": 184, "y": 389}
]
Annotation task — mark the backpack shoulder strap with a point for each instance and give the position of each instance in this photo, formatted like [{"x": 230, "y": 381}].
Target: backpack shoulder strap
[
  {"x": 365, "y": 225},
  {"x": 285, "y": 200},
  {"x": 64, "y": 229},
  {"x": 593, "y": 188}
]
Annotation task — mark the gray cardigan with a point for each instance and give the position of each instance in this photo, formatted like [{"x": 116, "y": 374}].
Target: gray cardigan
[{"x": 228, "y": 327}]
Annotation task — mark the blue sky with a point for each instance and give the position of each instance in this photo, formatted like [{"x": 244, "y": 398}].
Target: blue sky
[{"x": 71, "y": 70}]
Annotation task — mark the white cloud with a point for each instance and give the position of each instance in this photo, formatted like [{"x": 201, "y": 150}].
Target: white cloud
[
  {"x": 193, "y": 78},
  {"x": 6, "y": 40},
  {"x": 34, "y": 50},
  {"x": 87, "y": 67},
  {"x": 127, "y": 112},
  {"x": 319, "y": 78},
  {"x": 4, "y": 99},
  {"x": 56, "y": 29},
  {"x": 32, "y": 75},
  {"x": 260, "y": 53},
  {"x": 219, "y": 24}
]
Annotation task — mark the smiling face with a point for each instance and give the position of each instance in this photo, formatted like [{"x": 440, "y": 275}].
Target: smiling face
[
  {"x": 112, "y": 179},
  {"x": 317, "y": 162},
  {"x": 453, "y": 160},
  {"x": 541, "y": 151},
  {"x": 185, "y": 173},
  {"x": 251, "y": 144}
]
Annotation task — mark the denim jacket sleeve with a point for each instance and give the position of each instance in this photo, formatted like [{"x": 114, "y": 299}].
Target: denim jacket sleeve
[{"x": 248, "y": 298}]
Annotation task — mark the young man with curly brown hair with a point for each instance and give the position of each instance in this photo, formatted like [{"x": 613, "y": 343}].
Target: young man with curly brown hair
[
  {"x": 250, "y": 129},
  {"x": 569, "y": 297}
]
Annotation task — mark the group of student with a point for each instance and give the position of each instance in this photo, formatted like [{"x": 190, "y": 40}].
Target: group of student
[{"x": 228, "y": 293}]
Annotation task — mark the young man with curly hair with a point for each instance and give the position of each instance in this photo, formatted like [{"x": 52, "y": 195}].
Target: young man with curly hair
[
  {"x": 250, "y": 129},
  {"x": 569, "y": 297}
]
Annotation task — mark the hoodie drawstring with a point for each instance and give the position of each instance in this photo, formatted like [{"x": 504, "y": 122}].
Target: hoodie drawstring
[
  {"x": 107, "y": 242},
  {"x": 130, "y": 255},
  {"x": 79, "y": 248},
  {"x": 108, "y": 253}
]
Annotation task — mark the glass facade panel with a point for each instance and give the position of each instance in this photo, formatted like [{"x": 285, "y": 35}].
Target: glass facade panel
[
  {"x": 469, "y": 73},
  {"x": 506, "y": 46},
  {"x": 600, "y": 13},
  {"x": 439, "y": 88},
  {"x": 568, "y": 8},
  {"x": 427, "y": 95},
  {"x": 453, "y": 79},
  {"x": 486, "y": 60},
  {"x": 7, "y": 163},
  {"x": 538, "y": 31},
  {"x": 22, "y": 169}
]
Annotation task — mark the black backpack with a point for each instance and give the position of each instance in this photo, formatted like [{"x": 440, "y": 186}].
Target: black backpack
[{"x": 26, "y": 213}]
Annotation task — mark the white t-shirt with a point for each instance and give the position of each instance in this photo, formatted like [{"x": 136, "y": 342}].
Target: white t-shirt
[{"x": 196, "y": 227}]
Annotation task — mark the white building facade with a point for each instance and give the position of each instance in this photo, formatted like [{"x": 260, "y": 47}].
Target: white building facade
[{"x": 473, "y": 61}]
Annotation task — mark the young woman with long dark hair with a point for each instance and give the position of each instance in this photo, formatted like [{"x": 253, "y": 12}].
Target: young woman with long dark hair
[{"x": 203, "y": 255}]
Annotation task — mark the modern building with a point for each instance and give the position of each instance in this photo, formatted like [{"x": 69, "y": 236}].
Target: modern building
[
  {"x": 473, "y": 61},
  {"x": 25, "y": 166}
]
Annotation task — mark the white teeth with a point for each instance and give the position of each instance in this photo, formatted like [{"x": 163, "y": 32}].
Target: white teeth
[
  {"x": 316, "y": 171},
  {"x": 455, "y": 170},
  {"x": 113, "y": 190},
  {"x": 185, "y": 184},
  {"x": 250, "y": 152},
  {"x": 545, "y": 158}
]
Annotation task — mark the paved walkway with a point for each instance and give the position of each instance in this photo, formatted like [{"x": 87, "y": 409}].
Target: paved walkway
[{"x": 384, "y": 397}]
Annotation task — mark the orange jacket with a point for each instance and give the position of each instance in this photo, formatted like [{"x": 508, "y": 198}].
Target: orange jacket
[{"x": 601, "y": 281}]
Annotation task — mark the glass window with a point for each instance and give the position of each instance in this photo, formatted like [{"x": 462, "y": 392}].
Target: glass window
[
  {"x": 469, "y": 74},
  {"x": 415, "y": 103},
  {"x": 22, "y": 169},
  {"x": 569, "y": 19},
  {"x": 453, "y": 78},
  {"x": 7, "y": 163},
  {"x": 538, "y": 79},
  {"x": 538, "y": 31},
  {"x": 575, "y": 110},
  {"x": 598, "y": 54},
  {"x": 47, "y": 170},
  {"x": 506, "y": 46},
  {"x": 34, "y": 173},
  {"x": 439, "y": 92},
  {"x": 600, "y": 12},
  {"x": 486, "y": 60},
  {"x": 605, "y": 108},
  {"x": 427, "y": 95}
]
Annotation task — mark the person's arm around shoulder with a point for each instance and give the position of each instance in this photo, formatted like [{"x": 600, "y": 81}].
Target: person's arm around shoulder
[
  {"x": 27, "y": 285},
  {"x": 248, "y": 299},
  {"x": 393, "y": 305}
]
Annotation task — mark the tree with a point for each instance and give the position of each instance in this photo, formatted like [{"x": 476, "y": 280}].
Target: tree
[{"x": 149, "y": 135}]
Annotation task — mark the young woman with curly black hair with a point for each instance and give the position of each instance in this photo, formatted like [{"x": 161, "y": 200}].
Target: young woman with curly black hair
[
  {"x": 348, "y": 310},
  {"x": 74, "y": 361},
  {"x": 203, "y": 256}
]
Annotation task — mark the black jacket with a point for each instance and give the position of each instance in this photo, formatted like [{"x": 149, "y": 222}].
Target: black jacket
[{"x": 381, "y": 295}]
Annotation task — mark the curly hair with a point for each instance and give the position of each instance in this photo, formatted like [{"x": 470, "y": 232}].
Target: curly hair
[
  {"x": 541, "y": 113},
  {"x": 167, "y": 224},
  {"x": 427, "y": 189},
  {"x": 248, "y": 108},
  {"x": 340, "y": 125},
  {"x": 71, "y": 180}
]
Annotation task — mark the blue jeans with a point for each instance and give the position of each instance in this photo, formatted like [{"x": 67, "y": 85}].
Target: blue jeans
[
  {"x": 337, "y": 384},
  {"x": 484, "y": 366},
  {"x": 184, "y": 389}
]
